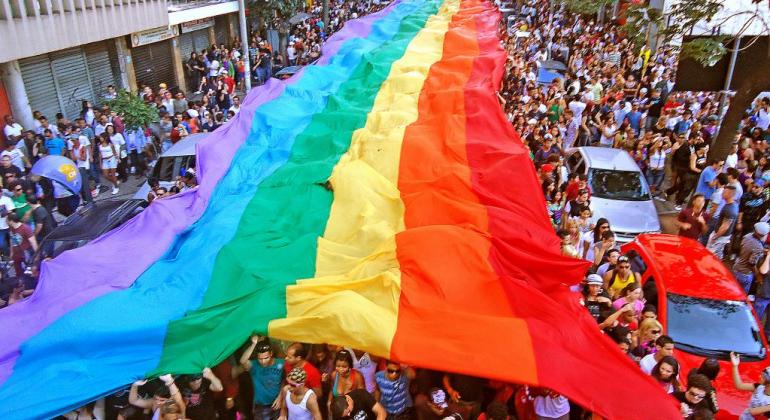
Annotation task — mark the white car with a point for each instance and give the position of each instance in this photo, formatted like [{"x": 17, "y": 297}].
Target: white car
[{"x": 619, "y": 190}]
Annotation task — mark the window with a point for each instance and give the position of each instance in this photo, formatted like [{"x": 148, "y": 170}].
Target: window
[
  {"x": 618, "y": 185},
  {"x": 713, "y": 328}
]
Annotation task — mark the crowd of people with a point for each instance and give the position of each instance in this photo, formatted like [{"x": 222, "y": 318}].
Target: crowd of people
[
  {"x": 613, "y": 95},
  {"x": 610, "y": 94},
  {"x": 107, "y": 152}
]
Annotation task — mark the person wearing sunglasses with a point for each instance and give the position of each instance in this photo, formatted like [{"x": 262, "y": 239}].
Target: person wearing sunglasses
[
  {"x": 300, "y": 402},
  {"x": 617, "y": 279},
  {"x": 392, "y": 389},
  {"x": 649, "y": 331},
  {"x": 693, "y": 400}
]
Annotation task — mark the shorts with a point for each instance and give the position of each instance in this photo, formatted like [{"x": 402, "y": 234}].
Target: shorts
[{"x": 110, "y": 163}]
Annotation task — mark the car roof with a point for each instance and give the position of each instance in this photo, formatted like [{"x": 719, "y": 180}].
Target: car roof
[
  {"x": 93, "y": 219},
  {"x": 608, "y": 158},
  {"x": 688, "y": 268},
  {"x": 186, "y": 146}
]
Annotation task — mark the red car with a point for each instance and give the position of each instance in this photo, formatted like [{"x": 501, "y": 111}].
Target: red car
[{"x": 704, "y": 310}]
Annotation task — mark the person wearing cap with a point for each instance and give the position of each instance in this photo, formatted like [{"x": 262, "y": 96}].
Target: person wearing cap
[
  {"x": 751, "y": 251},
  {"x": 197, "y": 393},
  {"x": 592, "y": 298},
  {"x": 358, "y": 405},
  {"x": 266, "y": 376},
  {"x": 548, "y": 148},
  {"x": 299, "y": 401},
  {"x": 296, "y": 356},
  {"x": 760, "y": 397},
  {"x": 617, "y": 279},
  {"x": 753, "y": 205}
]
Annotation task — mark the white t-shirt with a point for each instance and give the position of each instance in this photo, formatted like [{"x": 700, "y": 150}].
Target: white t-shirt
[
  {"x": 730, "y": 161},
  {"x": 17, "y": 157},
  {"x": 120, "y": 144},
  {"x": 14, "y": 129},
  {"x": 758, "y": 399},
  {"x": 84, "y": 143},
  {"x": 8, "y": 203},
  {"x": 763, "y": 119},
  {"x": 648, "y": 363}
]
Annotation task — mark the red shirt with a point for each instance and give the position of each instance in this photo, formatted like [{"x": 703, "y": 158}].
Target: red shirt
[
  {"x": 572, "y": 190},
  {"x": 313, "y": 376},
  {"x": 20, "y": 238},
  {"x": 696, "y": 229}
]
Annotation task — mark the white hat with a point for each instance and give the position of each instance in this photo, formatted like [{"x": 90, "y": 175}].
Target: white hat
[{"x": 594, "y": 279}]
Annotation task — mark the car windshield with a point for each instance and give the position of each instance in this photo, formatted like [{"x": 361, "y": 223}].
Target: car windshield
[
  {"x": 713, "y": 328},
  {"x": 618, "y": 185}
]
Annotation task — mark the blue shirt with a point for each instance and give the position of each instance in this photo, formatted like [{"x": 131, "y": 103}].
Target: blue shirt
[
  {"x": 708, "y": 175},
  {"x": 267, "y": 381},
  {"x": 634, "y": 119},
  {"x": 55, "y": 146},
  {"x": 394, "y": 395}
]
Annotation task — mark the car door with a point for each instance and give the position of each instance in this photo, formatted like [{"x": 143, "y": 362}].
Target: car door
[{"x": 575, "y": 163}]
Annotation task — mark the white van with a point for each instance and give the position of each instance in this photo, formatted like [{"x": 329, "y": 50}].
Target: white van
[{"x": 172, "y": 163}]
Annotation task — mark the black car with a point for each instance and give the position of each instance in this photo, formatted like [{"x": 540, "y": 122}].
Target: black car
[{"x": 87, "y": 224}]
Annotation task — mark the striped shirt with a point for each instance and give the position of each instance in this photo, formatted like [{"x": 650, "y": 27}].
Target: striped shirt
[{"x": 394, "y": 395}]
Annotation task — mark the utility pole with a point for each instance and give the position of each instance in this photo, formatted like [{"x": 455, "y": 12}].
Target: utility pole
[
  {"x": 728, "y": 82},
  {"x": 326, "y": 15},
  {"x": 245, "y": 44}
]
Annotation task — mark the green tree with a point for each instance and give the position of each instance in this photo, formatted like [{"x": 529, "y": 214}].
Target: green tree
[
  {"x": 134, "y": 112},
  {"x": 264, "y": 11},
  {"x": 682, "y": 17}
]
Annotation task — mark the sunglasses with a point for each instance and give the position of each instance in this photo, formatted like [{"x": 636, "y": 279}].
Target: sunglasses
[
  {"x": 624, "y": 266},
  {"x": 394, "y": 370},
  {"x": 18, "y": 189},
  {"x": 696, "y": 396},
  {"x": 655, "y": 331},
  {"x": 295, "y": 385}
]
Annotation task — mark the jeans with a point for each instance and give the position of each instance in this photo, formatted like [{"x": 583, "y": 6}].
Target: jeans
[
  {"x": 85, "y": 188},
  {"x": 4, "y": 241},
  {"x": 760, "y": 306},
  {"x": 744, "y": 279},
  {"x": 655, "y": 177},
  {"x": 264, "y": 412}
]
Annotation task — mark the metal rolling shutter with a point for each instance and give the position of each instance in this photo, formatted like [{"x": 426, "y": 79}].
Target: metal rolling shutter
[
  {"x": 221, "y": 32},
  {"x": 38, "y": 82},
  {"x": 186, "y": 45},
  {"x": 72, "y": 81},
  {"x": 201, "y": 39},
  {"x": 152, "y": 64},
  {"x": 100, "y": 69}
]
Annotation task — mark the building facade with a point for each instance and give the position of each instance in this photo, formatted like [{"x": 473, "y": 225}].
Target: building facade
[{"x": 59, "y": 54}]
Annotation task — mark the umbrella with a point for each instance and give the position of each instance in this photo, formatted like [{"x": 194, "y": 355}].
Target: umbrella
[
  {"x": 299, "y": 17},
  {"x": 59, "y": 169},
  {"x": 554, "y": 65}
]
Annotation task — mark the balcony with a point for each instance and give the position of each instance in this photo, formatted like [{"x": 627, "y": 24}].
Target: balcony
[{"x": 33, "y": 27}]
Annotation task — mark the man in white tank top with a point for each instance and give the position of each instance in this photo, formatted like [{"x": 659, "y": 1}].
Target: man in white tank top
[{"x": 298, "y": 401}]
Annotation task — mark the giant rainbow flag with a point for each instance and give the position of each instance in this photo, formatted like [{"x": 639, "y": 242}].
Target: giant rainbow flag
[{"x": 378, "y": 199}]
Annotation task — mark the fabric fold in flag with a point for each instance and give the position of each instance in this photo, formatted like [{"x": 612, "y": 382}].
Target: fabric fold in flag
[{"x": 378, "y": 200}]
